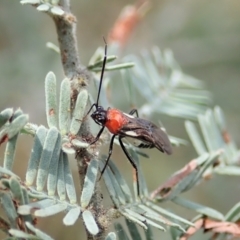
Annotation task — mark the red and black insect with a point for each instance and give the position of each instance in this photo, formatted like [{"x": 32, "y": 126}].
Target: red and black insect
[{"x": 126, "y": 125}]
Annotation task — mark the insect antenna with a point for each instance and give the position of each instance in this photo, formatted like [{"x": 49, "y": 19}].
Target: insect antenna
[
  {"x": 101, "y": 78},
  {"x": 102, "y": 72}
]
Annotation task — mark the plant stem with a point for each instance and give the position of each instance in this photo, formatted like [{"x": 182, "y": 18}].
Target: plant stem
[{"x": 78, "y": 75}]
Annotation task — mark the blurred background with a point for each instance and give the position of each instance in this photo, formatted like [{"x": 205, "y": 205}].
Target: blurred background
[{"x": 205, "y": 39}]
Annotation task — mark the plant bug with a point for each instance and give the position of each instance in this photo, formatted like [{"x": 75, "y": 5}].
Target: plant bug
[{"x": 126, "y": 125}]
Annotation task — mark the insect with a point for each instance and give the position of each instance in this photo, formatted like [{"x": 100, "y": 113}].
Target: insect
[{"x": 127, "y": 125}]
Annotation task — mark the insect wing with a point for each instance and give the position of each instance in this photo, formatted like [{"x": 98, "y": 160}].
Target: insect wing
[
  {"x": 148, "y": 133},
  {"x": 161, "y": 140}
]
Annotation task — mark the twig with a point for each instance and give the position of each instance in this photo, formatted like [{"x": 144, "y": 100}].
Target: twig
[{"x": 77, "y": 73}]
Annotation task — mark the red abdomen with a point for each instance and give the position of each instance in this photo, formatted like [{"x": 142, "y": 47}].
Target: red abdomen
[{"x": 115, "y": 120}]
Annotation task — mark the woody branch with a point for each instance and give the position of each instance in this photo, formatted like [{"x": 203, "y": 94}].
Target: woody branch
[{"x": 75, "y": 71}]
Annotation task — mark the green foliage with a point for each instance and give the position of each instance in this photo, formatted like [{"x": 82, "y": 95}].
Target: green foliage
[
  {"x": 49, "y": 187},
  {"x": 48, "y": 166}
]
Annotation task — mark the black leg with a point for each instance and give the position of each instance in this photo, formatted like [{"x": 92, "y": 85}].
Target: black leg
[
  {"x": 109, "y": 155},
  {"x": 98, "y": 135},
  {"x": 132, "y": 162},
  {"x": 81, "y": 120},
  {"x": 94, "y": 105},
  {"x": 133, "y": 111}
]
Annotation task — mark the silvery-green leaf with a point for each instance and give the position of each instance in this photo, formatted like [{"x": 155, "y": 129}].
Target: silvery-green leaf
[
  {"x": 72, "y": 216},
  {"x": 90, "y": 223},
  {"x": 35, "y": 155},
  {"x": 55, "y": 2},
  {"x": 5, "y": 115},
  {"x": 149, "y": 213},
  {"x": 68, "y": 148},
  {"x": 195, "y": 138},
  {"x": 56, "y": 10},
  {"x": 202, "y": 159},
  {"x": 111, "y": 236},
  {"x": 206, "y": 131},
  {"x": 25, "y": 200},
  {"x": 228, "y": 170},
  {"x": 99, "y": 63},
  {"x": 79, "y": 110},
  {"x": 71, "y": 192},
  {"x": 159, "y": 227},
  {"x": 181, "y": 186},
  {"x": 89, "y": 183},
  {"x": 186, "y": 81},
  {"x": 53, "y": 168},
  {"x": 219, "y": 116},
  {"x": 149, "y": 234},
  {"x": 128, "y": 86},
  {"x": 134, "y": 214},
  {"x": 46, "y": 156},
  {"x": 51, "y": 210},
  {"x": 210, "y": 161},
  {"x": 132, "y": 228},
  {"x": 25, "y": 195},
  {"x": 64, "y": 106},
  {"x": 168, "y": 213},
  {"x": 120, "y": 231},
  {"x": 151, "y": 70},
  {"x": 20, "y": 234},
  {"x": 233, "y": 214},
  {"x": 119, "y": 193},
  {"x": 53, "y": 47},
  {"x": 121, "y": 181},
  {"x": 142, "y": 182},
  {"x": 50, "y": 93},
  {"x": 42, "y": 203},
  {"x": 30, "y": 129},
  {"x": 77, "y": 143},
  {"x": 177, "y": 141},
  {"x": 7, "y": 172},
  {"x": 26, "y": 209},
  {"x": 216, "y": 135},
  {"x": 17, "y": 113},
  {"x": 39, "y": 233},
  {"x": 196, "y": 96},
  {"x": 43, "y": 7},
  {"x": 175, "y": 233},
  {"x": 16, "y": 125},
  {"x": 9, "y": 153},
  {"x": 9, "y": 208},
  {"x": 61, "y": 190},
  {"x": 5, "y": 183},
  {"x": 16, "y": 190},
  {"x": 36, "y": 195},
  {"x": 177, "y": 109},
  {"x": 116, "y": 67},
  {"x": 134, "y": 219},
  {"x": 140, "y": 153},
  {"x": 109, "y": 185},
  {"x": 30, "y": 1},
  {"x": 157, "y": 55},
  {"x": 199, "y": 208}
]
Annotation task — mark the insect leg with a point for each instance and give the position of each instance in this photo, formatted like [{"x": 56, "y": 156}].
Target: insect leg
[
  {"x": 98, "y": 135},
  {"x": 132, "y": 162},
  {"x": 83, "y": 119},
  {"x": 109, "y": 155},
  {"x": 94, "y": 105},
  {"x": 133, "y": 111}
]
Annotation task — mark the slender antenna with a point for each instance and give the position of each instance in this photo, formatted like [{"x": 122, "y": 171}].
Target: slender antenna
[{"x": 102, "y": 72}]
